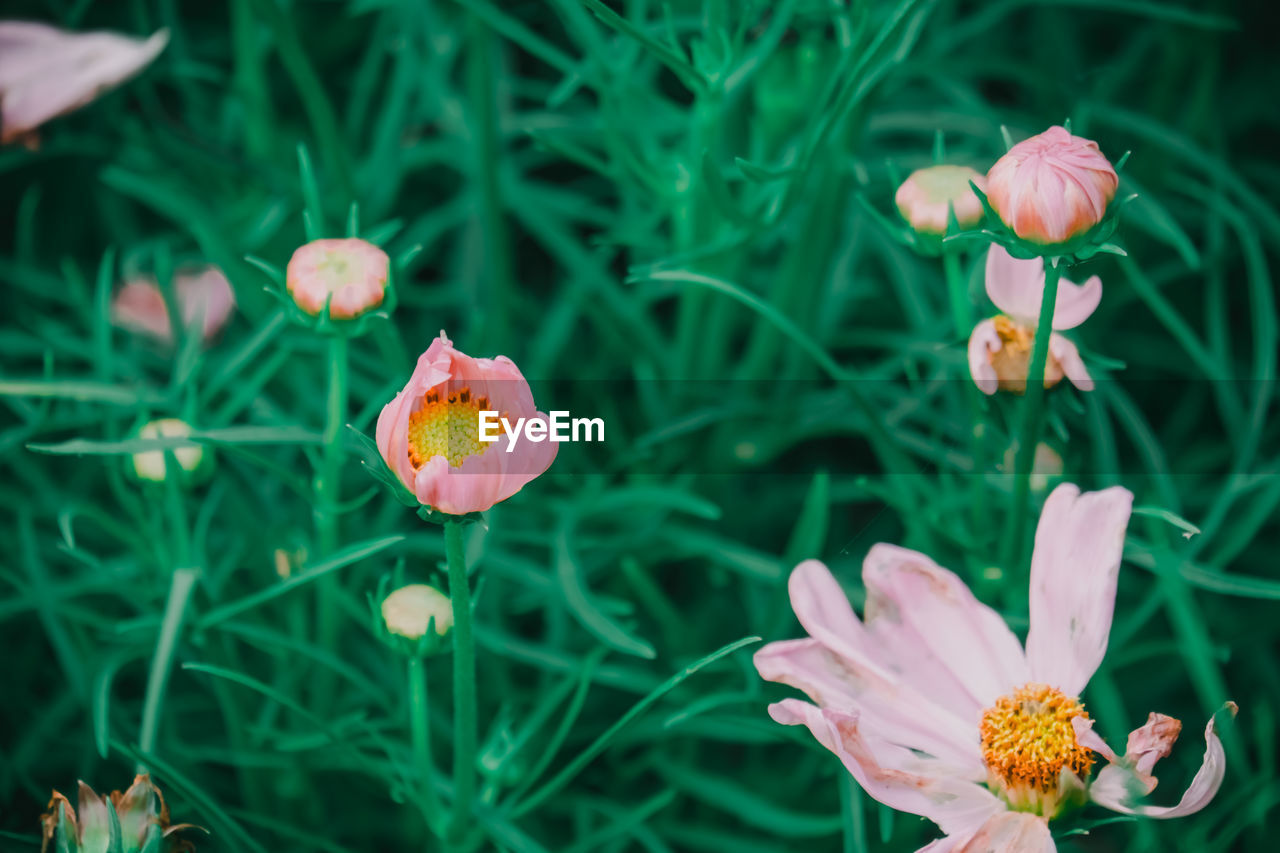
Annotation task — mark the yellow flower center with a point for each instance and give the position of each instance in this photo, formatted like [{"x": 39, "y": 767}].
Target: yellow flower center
[
  {"x": 447, "y": 425},
  {"x": 1012, "y": 361},
  {"x": 1028, "y": 741}
]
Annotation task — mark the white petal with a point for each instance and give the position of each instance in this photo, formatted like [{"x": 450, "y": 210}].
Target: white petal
[
  {"x": 982, "y": 342},
  {"x": 1069, "y": 360},
  {"x": 893, "y": 775},
  {"x": 939, "y": 619},
  {"x": 1074, "y": 567},
  {"x": 1011, "y": 832}
]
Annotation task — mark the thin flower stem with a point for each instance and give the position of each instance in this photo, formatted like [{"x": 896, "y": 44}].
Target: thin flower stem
[
  {"x": 957, "y": 287},
  {"x": 328, "y": 496},
  {"x": 1032, "y": 414},
  {"x": 419, "y": 717},
  {"x": 464, "y": 682},
  {"x": 180, "y": 588}
]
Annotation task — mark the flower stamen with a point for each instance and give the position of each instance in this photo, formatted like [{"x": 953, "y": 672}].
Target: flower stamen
[
  {"x": 1028, "y": 742},
  {"x": 448, "y": 425}
]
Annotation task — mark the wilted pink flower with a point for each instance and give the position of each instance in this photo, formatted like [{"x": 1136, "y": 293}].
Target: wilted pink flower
[
  {"x": 349, "y": 271},
  {"x": 935, "y": 707},
  {"x": 1052, "y": 187},
  {"x": 46, "y": 72},
  {"x": 430, "y": 433},
  {"x": 1000, "y": 348},
  {"x": 204, "y": 296},
  {"x": 926, "y": 195}
]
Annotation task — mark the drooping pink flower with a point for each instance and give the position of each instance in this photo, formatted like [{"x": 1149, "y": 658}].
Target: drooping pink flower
[
  {"x": 927, "y": 194},
  {"x": 935, "y": 707},
  {"x": 1052, "y": 187},
  {"x": 429, "y": 434},
  {"x": 1000, "y": 347},
  {"x": 46, "y": 72},
  {"x": 204, "y": 296},
  {"x": 349, "y": 274}
]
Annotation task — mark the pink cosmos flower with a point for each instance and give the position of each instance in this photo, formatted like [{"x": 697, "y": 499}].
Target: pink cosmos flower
[
  {"x": 46, "y": 72},
  {"x": 936, "y": 709},
  {"x": 429, "y": 434},
  {"x": 349, "y": 271},
  {"x": 1052, "y": 187},
  {"x": 205, "y": 299},
  {"x": 926, "y": 195},
  {"x": 1000, "y": 348}
]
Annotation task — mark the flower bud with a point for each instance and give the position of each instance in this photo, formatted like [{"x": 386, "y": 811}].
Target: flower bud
[
  {"x": 348, "y": 274},
  {"x": 410, "y": 610},
  {"x": 925, "y": 198},
  {"x": 1052, "y": 187},
  {"x": 150, "y": 464}
]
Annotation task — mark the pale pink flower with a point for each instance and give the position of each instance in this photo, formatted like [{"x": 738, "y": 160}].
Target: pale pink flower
[
  {"x": 927, "y": 194},
  {"x": 204, "y": 296},
  {"x": 348, "y": 274},
  {"x": 1000, "y": 347},
  {"x": 46, "y": 72},
  {"x": 1051, "y": 187},
  {"x": 935, "y": 707},
  {"x": 429, "y": 434},
  {"x": 411, "y": 610}
]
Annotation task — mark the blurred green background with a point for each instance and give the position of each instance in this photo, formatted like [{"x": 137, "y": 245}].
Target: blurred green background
[{"x": 663, "y": 214}]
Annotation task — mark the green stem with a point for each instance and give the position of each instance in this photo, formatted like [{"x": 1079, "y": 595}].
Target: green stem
[
  {"x": 464, "y": 682},
  {"x": 419, "y": 726},
  {"x": 328, "y": 497},
  {"x": 180, "y": 588},
  {"x": 1032, "y": 414},
  {"x": 958, "y": 289}
]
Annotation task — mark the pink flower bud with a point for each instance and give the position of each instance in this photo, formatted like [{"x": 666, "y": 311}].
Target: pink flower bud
[
  {"x": 1052, "y": 187},
  {"x": 925, "y": 197},
  {"x": 349, "y": 274},
  {"x": 46, "y": 72},
  {"x": 430, "y": 434}
]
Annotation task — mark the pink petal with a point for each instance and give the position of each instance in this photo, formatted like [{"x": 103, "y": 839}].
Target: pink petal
[
  {"x": 1089, "y": 739},
  {"x": 1016, "y": 286},
  {"x": 939, "y": 618},
  {"x": 892, "y": 710},
  {"x": 1068, "y": 358},
  {"x": 46, "y": 72},
  {"x": 984, "y": 341},
  {"x": 1011, "y": 832},
  {"x": 1117, "y": 786},
  {"x": 894, "y": 775},
  {"x": 1074, "y": 567},
  {"x": 870, "y": 667}
]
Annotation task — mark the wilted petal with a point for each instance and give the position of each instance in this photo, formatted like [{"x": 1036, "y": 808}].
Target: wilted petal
[
  {"x": 892, "y": 774},
  {"x": 46, "y": 72},
  {"x": 1069, "y": 362},
  {"x": 870, "y": 667},
  {"x": 1011, "y": 832},
  {"x": 982, "y": 343},
  {"x": 1074, "y": 567},
  {"x": 892, "y": 710},
  {"x": 1118, "y": 786},
  {"x": 938, "y": 616}
]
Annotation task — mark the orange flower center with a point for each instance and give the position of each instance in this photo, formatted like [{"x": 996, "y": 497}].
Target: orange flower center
[
  {"x": 1028, "y": 741},
  {"x": 1012, "y": 361},
  {"x": 448, "y": 426}
]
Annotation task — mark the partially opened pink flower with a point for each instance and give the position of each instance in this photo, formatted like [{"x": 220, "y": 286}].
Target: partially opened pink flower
[
  {"x": 935, "y": 707},
  {"x": 1000, "y": 347},
  {"x": 46, "y": 72},
  {"x": 1052, "y": 187},
  {"x": 347, "y": 274},
  {"x": 429, "y": 434},
  {"x": 204, "y": 296},
  {"x": 927, "y": 195}
]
